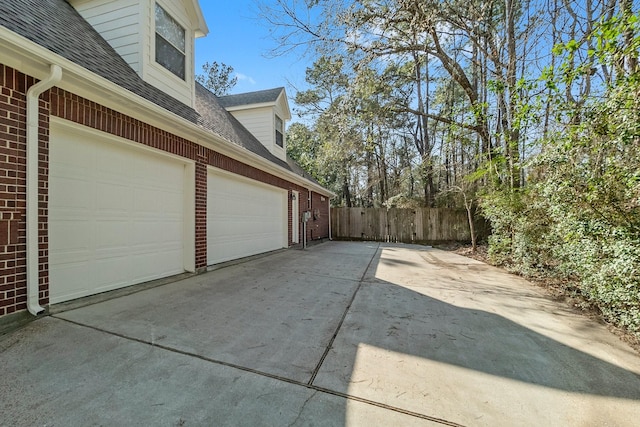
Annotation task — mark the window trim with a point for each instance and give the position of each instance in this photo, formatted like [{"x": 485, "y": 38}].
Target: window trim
[
  {"x": 281, "y": 131},
  {"x": 156, "y": 34}
]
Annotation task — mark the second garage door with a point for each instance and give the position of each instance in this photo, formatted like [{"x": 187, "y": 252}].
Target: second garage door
[{"x": 244, "y": 217}]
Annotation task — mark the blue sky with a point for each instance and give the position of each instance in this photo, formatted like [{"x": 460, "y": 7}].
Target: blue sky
[{"x": 238, "y": 38}]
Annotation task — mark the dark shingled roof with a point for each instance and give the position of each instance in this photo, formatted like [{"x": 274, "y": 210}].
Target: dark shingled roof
[
  {"x": 218, "y": 120},
  {"x": 57, "y": 26},
  {"x": 258, "y": 97}
]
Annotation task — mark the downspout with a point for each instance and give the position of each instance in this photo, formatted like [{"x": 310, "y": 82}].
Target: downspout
[
  {"x": 33, "y": 276},
  {"x": 329, "y": 203},
  {"x": 304, "y": 231}
]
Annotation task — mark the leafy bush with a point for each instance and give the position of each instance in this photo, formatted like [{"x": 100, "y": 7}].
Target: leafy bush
[
  {"x": 520, "y": 237},
  {"x": 582, "y": 218}
]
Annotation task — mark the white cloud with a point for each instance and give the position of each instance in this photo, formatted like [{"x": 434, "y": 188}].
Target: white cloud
[{"x": 243, "y": 77}]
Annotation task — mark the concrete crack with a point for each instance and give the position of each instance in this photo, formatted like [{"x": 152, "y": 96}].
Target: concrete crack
[{"x": 304, "y": 405}]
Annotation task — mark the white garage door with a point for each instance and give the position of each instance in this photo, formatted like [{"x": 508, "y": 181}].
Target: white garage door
[
  {"x": 115, "y": 215},
  {"x": 243, "y": 217}
]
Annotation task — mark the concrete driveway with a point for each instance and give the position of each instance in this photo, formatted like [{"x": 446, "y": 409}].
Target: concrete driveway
[{"x": 342, "y": 334}]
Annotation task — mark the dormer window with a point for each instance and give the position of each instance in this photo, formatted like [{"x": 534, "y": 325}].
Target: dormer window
[
  {"x": 170, "y": 43},
  {"x": 279, "y": 132}
]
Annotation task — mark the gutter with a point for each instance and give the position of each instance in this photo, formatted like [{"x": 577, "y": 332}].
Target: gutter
[
  {"x": 113, "y": 96},
  {"x": 33, "y": 276}
]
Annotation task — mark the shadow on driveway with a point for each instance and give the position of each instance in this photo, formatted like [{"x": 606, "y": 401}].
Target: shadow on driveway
[
  {"x": 520, "y": 359},
  {"x": 341, "y": 334}
]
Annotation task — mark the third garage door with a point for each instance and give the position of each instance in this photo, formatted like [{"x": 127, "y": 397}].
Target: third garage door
[{"x": 244, "y": 217}]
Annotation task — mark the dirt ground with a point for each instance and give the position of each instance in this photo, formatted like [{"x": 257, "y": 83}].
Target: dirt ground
[{"x": 560, "y": 290}]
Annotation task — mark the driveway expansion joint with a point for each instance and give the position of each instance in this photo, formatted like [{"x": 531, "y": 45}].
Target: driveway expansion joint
[
  {"x": 461, "y": 341},
  {"x": 344, "y": 316},
  {"x": 308, "y": 385}
]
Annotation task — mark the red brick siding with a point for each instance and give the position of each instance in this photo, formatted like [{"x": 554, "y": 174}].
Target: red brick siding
[
  {"x": 66, "y": 105},
  {"x": 13, "y": 181},
  {"x": 318, "y": 225},
  {"x": 201, "y": 209},
  {"x": 76, "y": 109}
]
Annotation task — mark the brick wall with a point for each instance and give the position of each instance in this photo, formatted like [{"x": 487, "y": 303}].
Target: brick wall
[
  {"x": 63, "y": 104},
  {"x": 318, "y": 226},
  {"x": 76, "y": 109},
  {"x": 201, "y": 209},
  {"x": 13, "y": 181}
]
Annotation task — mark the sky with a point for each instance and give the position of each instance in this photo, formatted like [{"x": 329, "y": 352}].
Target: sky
[{"x": 237, "y": 37}]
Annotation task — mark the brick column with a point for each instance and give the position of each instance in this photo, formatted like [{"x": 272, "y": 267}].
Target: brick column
[{"x": 201, "y": 209}]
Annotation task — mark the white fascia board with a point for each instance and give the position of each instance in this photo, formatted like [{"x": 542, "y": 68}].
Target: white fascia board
[
  {"x": 285, "y": 101},
  {"x": 202, "y": 29},
  {"x": 250, "y": 106},
  {"x": 32, "y": 59}
]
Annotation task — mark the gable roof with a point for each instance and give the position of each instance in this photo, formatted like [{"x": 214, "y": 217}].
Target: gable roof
[
  {"x": 249, "y": 98},
  {"x": 217, "y": 119},
  {"x": 58, "y": 27}
]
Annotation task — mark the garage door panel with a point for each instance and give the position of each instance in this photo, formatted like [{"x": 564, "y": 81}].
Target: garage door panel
[
  {"x": 76, "y": 195},
  {"x": 146, "y": 233},
  {"x": 115, "y": 234},
  {"x": 112, "y": 197},
  {"x": 144, "y": 170},
  {"x": 69, "y": 236},
  {"x": 112, "y": 271},
  {"x": 74, "y": 160},
  {"x": 76, "y": 276},
  {"x": 70, "y": 258},
  {"x": 170, "y": 202},
  {"x": 112, "y": 169},
  {"x": 146, "y": 201},
  {"x": 243, "y": 218},
  {"x": 111, "y": 224},
  {"x": 146, "y": 266},
  {"x": 171, "y": 232},
  {"x": 242, "y": 227}
]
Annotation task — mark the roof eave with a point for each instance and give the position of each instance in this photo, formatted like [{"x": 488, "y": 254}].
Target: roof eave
[
  {"x": 284, "y": 97},
  {"x": 250, "y": 106},
  {"x": 202, "y": 29},
  {"x": 32, "y": 59}
]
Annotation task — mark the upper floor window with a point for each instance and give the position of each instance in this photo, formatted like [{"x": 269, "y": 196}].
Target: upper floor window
[
  {"x": 170, "y": 43},
  {"x": 279, "y": 132}
]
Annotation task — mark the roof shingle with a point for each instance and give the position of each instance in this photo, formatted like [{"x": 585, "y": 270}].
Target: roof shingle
[
  {"x": 249, "y": 98},
  {"x": 58, "y": 27}
]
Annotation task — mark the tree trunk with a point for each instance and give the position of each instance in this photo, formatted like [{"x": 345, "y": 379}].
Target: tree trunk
[{"x": 468, "y": 204}]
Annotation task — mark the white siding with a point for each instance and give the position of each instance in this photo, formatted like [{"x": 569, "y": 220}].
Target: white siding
[
  {"x": 129, "y": 27},
  {"x": 167, "y": 82},
  {"x": 117, "y": 21},
  {"x": 282, "y": 111},
  {"x": 156, "y": 74},
  {"x": 260, "y": 122}
]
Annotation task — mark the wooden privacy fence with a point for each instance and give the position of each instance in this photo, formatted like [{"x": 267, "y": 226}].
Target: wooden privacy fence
[{"x": 421, "y": 225}]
